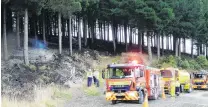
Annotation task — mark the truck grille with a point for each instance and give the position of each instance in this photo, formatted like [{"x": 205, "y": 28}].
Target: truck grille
[
  {"x": 120, "y": 97},
  {"x": 119, "y": 91},
  {"x": 120, "y": 88}
]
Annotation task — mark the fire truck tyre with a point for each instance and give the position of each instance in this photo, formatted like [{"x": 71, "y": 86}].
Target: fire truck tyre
[
  {"x": 114, "y": 101},
  {"x": 141, "y": 97}
]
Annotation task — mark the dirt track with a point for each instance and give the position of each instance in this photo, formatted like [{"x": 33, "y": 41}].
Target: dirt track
[{"x": 197, "y": 98}]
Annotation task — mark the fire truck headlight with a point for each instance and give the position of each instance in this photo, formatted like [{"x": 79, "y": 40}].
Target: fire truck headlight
[
  {"x": 131, "y": 94},
  {"x": 108, "y": 94}
]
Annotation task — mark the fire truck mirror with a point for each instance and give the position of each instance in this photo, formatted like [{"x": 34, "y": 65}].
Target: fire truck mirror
[{"x": 141, "y": 73}]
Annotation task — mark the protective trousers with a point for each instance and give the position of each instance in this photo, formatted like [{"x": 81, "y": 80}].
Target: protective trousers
[
  {"x": 172, "y": 90},
  {"x": 89, "y": 81},
  {"x": 96, "y": 81}
]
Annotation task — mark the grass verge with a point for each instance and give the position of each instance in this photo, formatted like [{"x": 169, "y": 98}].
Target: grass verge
[
  {"x": 92, "y": 91},
  {"x": 51, "y": 96}
]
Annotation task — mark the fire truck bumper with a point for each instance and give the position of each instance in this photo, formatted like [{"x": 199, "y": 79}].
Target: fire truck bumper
[
  {"x": 200, "y": 86},
  {"x": 130, "y": 95},
  {"x": 167, "y": 90}
]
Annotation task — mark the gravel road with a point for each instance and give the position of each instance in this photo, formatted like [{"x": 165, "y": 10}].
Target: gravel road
[{"x": 197, "y": 98}]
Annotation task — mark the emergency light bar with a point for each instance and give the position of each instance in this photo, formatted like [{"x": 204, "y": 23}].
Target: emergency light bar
[{"x": 124, "y": 65}]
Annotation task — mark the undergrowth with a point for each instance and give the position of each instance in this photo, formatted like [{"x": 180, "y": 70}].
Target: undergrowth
[{"x": 199, "y": 63}]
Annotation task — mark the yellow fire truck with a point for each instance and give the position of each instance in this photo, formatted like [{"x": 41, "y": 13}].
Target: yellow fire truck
[
  {"x": 170, "y": 76},
  {"x": 200, "y": 80}
]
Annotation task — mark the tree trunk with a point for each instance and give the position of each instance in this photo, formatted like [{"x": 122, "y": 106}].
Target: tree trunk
[
  {"x": 92, "y": 34},
  {"x": 63, "y": 27},
  {"x": 192, "y": 47},
  {"x": 204, "y": 50},
  {"x": 158, "y": 46},
  {"x": 100, "y": 31},
  {"x": 171, "y": 46},
  {"x": 41, "y": 25},
  {"x": 18, "y": 31},
  {"x": 114, "y": 36},
  {"x": 55, "y": 26},
  {"x": 167, "y": 42},
  {"x": 60, "y": 33},
  {"x": 155, "y": 40},
  {"x": 149, "y": 46},
  {"x": 104, "y": 30},
  {"x": 140, "y": 41},
  {"x": 130, "y": 37},
  {"x": 79, "y": 34},
  {"x": 70, "y": 36},
  {"x": 120, "y": 34},
  {"x": 116, "y": 33},
  {"x": 125, "y": 35},
  {"x": 9, "y": 21},
  {"x": 176, "y": 46},
  {"x": 162, "y": 44},
  {"x": 207, "y": 51},
  {"x": 200, "y": 49},
  {"x": 44, "y": 29},
  {"x": 179, "y": 48},
  {"x": 184, "y": 45},
  {"x": 5, "y": 36},
  {"x": 108, "y": 33},
  {"x": 26, "y": 59},
  {"x": 152, "y": 44},
  {"x": 35, "y": 30},
  {"x": 85, "y": 31},
  {"x": 174, "y": 43},
  {"x": 74, "y": 27}
]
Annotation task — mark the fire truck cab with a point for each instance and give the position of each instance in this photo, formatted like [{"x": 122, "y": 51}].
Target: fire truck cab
[
  {"x": 130, "y": 81},
  {"x": 200, "y": 80}
]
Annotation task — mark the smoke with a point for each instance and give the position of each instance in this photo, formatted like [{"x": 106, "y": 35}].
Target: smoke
[{"x": 38, "y": 44}]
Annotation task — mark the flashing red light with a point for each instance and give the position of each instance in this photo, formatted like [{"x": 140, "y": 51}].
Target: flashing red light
[{"x": 134, "y": 62}]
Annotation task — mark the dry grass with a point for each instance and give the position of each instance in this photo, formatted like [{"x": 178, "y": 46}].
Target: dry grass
[
  {"x": 51, "y": 96},
  {"x": 92, "y": 91}
]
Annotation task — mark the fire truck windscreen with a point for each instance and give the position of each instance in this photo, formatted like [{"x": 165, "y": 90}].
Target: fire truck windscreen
[
  {"x": 120, "y": 73},
  {"x": 166, "y": 73},
  {"x": 199, "y": 76}
]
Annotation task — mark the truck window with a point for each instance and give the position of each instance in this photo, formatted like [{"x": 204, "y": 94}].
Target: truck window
[
  {"x": 166, "y": 73},
  {"x": 120, "y": 73},
  {"x": 138, "y": 72},
  {"x": 199, "y": 76}
]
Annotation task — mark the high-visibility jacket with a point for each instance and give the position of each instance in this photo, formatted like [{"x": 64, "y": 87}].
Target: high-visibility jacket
[
  {"x": 177, "y": 84},
  {"x": 89, "y": 74},
  {"x": 96, "y": 74}
]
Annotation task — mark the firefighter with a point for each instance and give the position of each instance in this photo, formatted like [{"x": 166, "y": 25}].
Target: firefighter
[
  {"x": 96, "y": 77},
  {"x": 172, "y": 89},
  {"x": 177, "y": 85},
  {"x": 89, "y": 78}
]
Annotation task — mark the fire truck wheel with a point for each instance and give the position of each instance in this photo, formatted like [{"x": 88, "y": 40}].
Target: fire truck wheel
[
  {"x": 141, "y": 97},
  {"x": 114, "y": 101}
]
